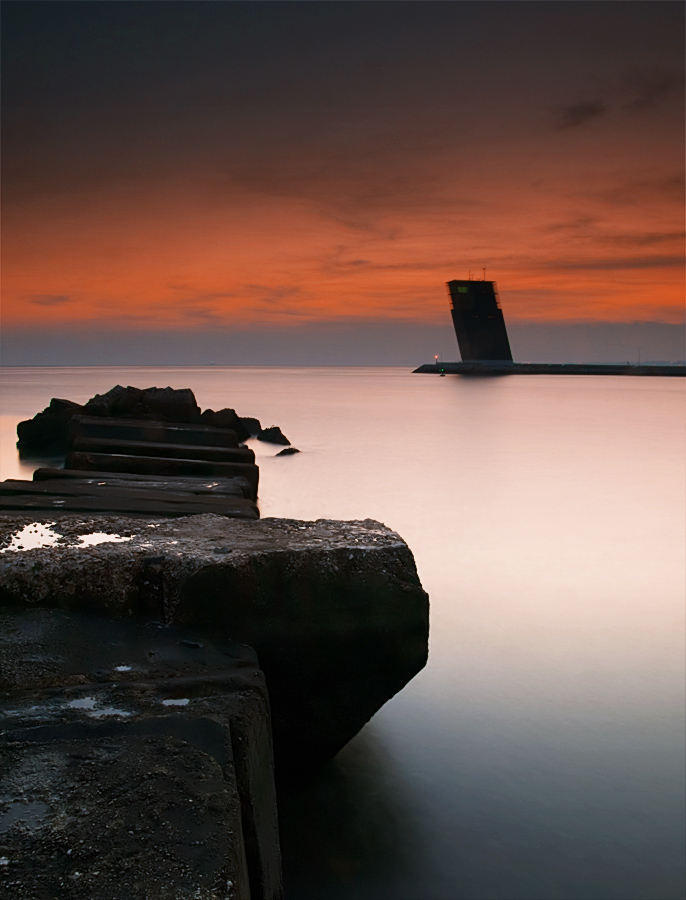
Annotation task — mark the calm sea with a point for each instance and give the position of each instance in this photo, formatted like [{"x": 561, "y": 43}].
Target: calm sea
[{"x": 540, "y": 755}]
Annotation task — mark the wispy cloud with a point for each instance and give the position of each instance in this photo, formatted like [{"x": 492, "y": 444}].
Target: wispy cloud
[
  {"x": 580, "y": 113},
  {"x": 49, "y": 299},
  {"x": 616, "y": 263},
  {"x": 647, "y": 89}
]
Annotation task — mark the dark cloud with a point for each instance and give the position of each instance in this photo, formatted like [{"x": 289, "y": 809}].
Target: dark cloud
[
  {"x": 580, "y": 113},
  {"x": 648, "y": 89},
  {"x": 49, "y": 299}
]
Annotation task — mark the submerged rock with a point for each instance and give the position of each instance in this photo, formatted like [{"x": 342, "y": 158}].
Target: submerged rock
[
  {"x": 288, "y": 451},
  {"x": 335, "y": 610}
]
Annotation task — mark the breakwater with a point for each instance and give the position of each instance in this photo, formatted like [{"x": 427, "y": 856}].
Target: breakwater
[{"x": 513, "y": 368}]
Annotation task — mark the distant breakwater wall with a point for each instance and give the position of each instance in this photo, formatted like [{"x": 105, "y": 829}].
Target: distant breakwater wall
[{"x": 508, "y": 368}]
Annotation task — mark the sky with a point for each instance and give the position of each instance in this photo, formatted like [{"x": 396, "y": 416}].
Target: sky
[{"x": 294, "y": 182}]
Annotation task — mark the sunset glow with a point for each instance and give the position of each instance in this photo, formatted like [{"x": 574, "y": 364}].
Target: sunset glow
[{"x": 178, "y": 199}]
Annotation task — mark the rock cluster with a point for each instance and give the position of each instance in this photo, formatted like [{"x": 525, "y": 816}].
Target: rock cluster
[{"x": 49, "y": 430}]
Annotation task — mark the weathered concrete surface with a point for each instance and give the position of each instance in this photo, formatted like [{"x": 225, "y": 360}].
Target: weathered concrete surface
[
  {"x": 174, "y": 451},
  {"x": 334, "y": 610},
  {"x": 155, "y": 432},
  {"x": 194, "y": 484},
  {"x": 135, "y": 762},
  {"x": 157, "y": 465},
  {"x": 88, "y": 495}
]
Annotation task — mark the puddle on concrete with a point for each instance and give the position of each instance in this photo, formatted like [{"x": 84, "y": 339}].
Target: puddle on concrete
[
  {"x": 88, "y": 704},
  {"x": 30, "y": 815},
  {"x": 40, "y": 534},
  {"x": 98, "y": 537},
  {"x": 36, "y": 534}
]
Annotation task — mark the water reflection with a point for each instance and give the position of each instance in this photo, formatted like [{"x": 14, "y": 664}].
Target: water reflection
[{"x": 347, "y": 825}]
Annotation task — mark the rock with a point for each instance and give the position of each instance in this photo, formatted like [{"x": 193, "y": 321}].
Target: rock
[
  {"x": 252, "y": 426},
  {"x": 226, "y": 418},
  {"x": 335, "y": 610},
  {"x": 160, "y": 404},
  {"x": 273, "y": 435},
  {"x": 48, "y": 430},
  {"x": 288, "y": 451},
  {"x": 136, "y": 762}
]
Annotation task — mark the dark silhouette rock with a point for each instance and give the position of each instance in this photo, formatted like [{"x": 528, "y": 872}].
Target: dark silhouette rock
[
  {"x": 251, "y": 425},
  {"x": 225, "y": 418},
  {"x": 48, "y": 430},
  {"x": 161, "y": 404},
  {"x": 273, "y": 435},
  {"x": 288, "y": 451}
]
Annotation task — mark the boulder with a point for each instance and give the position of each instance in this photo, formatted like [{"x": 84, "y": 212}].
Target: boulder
[
  {"x": 335, "y": 610},
  {"x": 225, "y": 418},
  {"x": 160, "y": 404},
  {"x": 48, "y": 430},
  {"x": 252, "y": 426},
  {"x": 136, "y": 762},
  {"x": 288, "y": 451},
  {"x": 272, "y": 435}
]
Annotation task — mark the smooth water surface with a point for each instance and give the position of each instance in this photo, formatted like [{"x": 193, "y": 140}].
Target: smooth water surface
[{"x": 541, "y": 752}]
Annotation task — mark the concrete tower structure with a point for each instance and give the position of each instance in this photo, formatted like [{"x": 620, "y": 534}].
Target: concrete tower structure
[{"x": 478, "y": 320}]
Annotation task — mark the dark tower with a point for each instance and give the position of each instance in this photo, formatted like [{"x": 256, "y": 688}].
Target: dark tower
[{"x": 478, "y": 320}]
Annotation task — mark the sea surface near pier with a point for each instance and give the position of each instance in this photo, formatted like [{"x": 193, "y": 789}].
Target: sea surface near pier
[{"x": 540, "y": 755}]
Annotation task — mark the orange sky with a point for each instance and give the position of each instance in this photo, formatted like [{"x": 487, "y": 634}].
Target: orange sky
[{"x": 568, "y": 189}]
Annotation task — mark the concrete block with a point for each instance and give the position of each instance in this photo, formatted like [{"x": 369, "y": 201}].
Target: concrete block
[{"x": 137, "y": 762}]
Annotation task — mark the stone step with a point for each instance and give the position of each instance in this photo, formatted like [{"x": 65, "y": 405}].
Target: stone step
[
  {"x": 75, "y": 496},
  {"x": 155, "y": 465},
  {"x": 156, "y": 432},
  {"x": 234, "y": 487},
  {"x": 136, "y": 761},
  {"x": 173, "y": 451}
]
